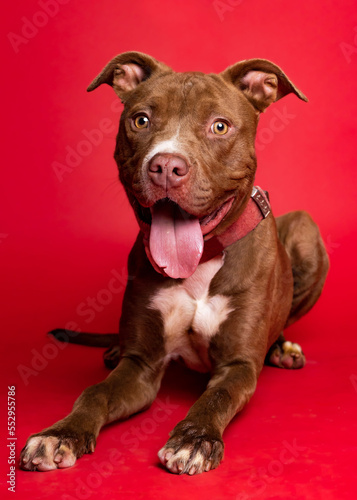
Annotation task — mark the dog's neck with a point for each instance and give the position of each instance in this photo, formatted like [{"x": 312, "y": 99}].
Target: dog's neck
[{"x": 257, "y": 209}]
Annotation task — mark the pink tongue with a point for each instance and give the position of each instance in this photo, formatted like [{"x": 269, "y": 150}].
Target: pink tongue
[{"x": 176, "y": 242}]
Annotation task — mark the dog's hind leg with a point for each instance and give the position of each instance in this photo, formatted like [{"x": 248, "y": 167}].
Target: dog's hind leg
[
  {"x": 303, "y": 243},
  {"x": 309, "y": 261},
  {"x": 111, "y": 357},
  {"x": 285, "y": 354}
]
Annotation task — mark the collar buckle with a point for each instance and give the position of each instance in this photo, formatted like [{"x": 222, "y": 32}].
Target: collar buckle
[{"x": 261, "y": 201}]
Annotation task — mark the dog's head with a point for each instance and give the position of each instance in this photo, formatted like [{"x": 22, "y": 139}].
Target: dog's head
[{"x": 185, "y": 148}]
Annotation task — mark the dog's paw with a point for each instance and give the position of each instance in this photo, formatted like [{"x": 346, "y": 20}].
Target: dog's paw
[
  {"x": 48, "y": 452},
  {"x": 191, "y": 450},
  {"x": 286, "y": 355}
]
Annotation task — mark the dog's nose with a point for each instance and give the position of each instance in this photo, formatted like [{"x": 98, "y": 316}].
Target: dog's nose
[{"x": 167, "y": 170}]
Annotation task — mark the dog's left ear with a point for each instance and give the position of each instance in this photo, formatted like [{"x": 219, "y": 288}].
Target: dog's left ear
[
  {"x": 126, "y": 71},
  {"x": 261, "y": 81}
]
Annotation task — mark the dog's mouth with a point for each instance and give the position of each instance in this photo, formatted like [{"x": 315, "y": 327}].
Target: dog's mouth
[{"x": 175, "y": 237}]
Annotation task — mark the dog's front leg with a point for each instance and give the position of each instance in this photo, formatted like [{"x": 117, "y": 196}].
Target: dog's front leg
[
  {"x": 196, "y": 444},
  {"x": 130, "y": 388}
]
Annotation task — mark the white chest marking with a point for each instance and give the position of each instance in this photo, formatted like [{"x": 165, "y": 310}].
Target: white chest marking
[{"x": 191, "y": 317}]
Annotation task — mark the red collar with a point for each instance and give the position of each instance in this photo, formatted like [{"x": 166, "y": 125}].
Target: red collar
[{"x": 257, "y": 209}]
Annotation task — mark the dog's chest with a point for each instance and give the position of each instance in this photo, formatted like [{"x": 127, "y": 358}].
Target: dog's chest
[{"x": 191, "y": 316}]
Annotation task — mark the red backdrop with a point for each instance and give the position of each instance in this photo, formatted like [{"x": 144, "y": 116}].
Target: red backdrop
[{"x": 66, "y": 229}]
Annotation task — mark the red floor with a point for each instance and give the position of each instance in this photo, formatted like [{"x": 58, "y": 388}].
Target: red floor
[
  {"x": 296, "y": 439},
  {"x": 62, "y": 241}
]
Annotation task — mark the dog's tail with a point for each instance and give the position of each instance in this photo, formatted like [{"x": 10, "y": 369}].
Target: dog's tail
[{"x": 88, "y": 339}]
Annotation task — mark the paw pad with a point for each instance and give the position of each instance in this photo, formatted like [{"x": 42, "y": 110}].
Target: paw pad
[{"x": 286, "y": 355}]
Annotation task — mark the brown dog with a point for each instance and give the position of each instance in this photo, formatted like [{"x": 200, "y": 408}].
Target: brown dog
[{"x": 216, "y": 277}]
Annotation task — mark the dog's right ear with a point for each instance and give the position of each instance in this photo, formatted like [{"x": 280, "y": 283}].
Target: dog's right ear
[{"x": 126, "y": 71}]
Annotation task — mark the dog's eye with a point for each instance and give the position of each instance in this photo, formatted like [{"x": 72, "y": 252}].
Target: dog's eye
[
  {"x": 141, "y": 121},
  {"x": 219, "y": 127}
]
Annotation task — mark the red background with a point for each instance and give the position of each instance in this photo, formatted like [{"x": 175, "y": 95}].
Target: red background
[{"x": 60, "y": 241}]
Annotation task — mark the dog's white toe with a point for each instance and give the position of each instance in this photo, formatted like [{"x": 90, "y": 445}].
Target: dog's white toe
[{"x": 45, "y": 453}]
